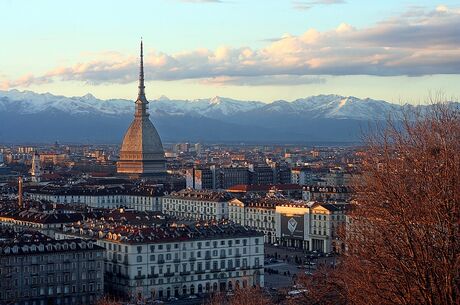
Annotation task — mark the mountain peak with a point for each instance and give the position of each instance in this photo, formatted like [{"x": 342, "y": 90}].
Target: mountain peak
[
  {"x": 88, "y": 96},
  {"x": 215, "y": 100},
  {"x": 163, "y": 98}
]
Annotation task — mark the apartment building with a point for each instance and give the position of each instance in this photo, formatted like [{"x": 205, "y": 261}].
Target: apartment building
[{"x": 175, "y": 260}]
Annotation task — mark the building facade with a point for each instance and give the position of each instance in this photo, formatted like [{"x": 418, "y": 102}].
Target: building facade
[
  {"x": 311, "y": 226},
  {"x": 196, "y": 205},
  {"x": 37, "y": 270},
  {"x": 157, "y": 263},
  {"x": 134, "y": 197}
]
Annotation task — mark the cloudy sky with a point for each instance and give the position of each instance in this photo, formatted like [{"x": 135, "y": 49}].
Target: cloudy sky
[{"x": 246, "y": 49}]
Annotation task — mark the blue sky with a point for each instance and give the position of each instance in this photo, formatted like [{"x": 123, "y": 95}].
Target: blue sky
[{"x": 255, "y": 50}]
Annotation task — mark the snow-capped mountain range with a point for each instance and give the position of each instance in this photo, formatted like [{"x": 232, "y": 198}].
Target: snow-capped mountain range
[
  {"x": 26, "y": 116},
  {"x": 321, "y": 106}
]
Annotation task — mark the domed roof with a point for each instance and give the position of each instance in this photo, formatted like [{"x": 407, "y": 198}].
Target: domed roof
[
  {"x": 142, "y": 138},
  {"x": 141, "y": 151}
]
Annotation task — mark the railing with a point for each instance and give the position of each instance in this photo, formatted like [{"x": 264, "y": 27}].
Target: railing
[
  {"x": 185, "y": 273},
  {"x": 176, "y": 260},
  {"x": 139, "y": 277},
  {"x": 168, "y": 274},
  {"x": 161, "y": 261},
  {"x": 192, "y": 259}
]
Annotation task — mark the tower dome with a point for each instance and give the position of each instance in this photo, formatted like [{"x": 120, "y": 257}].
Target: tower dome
[{"x": 141, "y": 152}]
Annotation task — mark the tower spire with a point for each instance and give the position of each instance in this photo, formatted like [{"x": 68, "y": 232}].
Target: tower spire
[
  {"x": 141, "y": 74},
  {"x": 141, "y": 102}
]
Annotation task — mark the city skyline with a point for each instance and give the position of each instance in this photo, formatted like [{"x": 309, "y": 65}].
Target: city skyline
[{"x": 246, "y": 50}]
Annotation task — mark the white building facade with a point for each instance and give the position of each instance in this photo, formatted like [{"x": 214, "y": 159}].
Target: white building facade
[
  {"x": 196, "y": 205},
  {"x": 138, "y": 202},
  {"x": 158, "y": 269}
]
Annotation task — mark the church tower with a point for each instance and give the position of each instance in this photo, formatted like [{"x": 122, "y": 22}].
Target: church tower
[
  {"x": 141, "y": 153},
  {"x": 36, "y": 171}
]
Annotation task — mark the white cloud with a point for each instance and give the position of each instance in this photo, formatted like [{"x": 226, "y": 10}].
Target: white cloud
[{"x": 415, "y": 43}]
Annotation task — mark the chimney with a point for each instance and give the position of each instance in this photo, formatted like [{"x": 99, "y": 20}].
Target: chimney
[{"x": 20, "y": 203}]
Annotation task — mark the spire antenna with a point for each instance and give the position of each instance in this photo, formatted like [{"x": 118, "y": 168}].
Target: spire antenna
[{"x": 141, "y": 74}]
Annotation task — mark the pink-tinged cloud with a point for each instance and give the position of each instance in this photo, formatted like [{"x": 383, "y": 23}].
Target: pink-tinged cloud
[{"x": 415, "y": 43}]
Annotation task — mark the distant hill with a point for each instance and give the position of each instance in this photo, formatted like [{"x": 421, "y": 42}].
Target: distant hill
[{"x": 26, "y": 116}]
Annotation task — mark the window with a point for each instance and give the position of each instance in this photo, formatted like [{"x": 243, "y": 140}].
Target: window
[
  {"x": 152, "y": 257},
  {"x": 139, "y": 258}
]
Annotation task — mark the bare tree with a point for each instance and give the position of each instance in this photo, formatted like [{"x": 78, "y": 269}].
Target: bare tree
[
  {"x": 403, "y": 239},
  {"x": 402, "y": 236}
]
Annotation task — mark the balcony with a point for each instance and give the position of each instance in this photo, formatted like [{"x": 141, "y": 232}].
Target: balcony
[
  {"x": 176, "y": 260},
  {"x": 223, "y": 256},
  {"x": 199, "y": 272},
  {"x": 168, "y": 274},
  {"x": 161, "y": 261},
  {"x": 237, "y": 255},
  {"x": 192, "y": 259},
  {"x": 139, "y": 277},
  {"x": 231, "y": 269},
  {"x": 207, "y": 257},
  {"x": 185, "y": 273}
]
